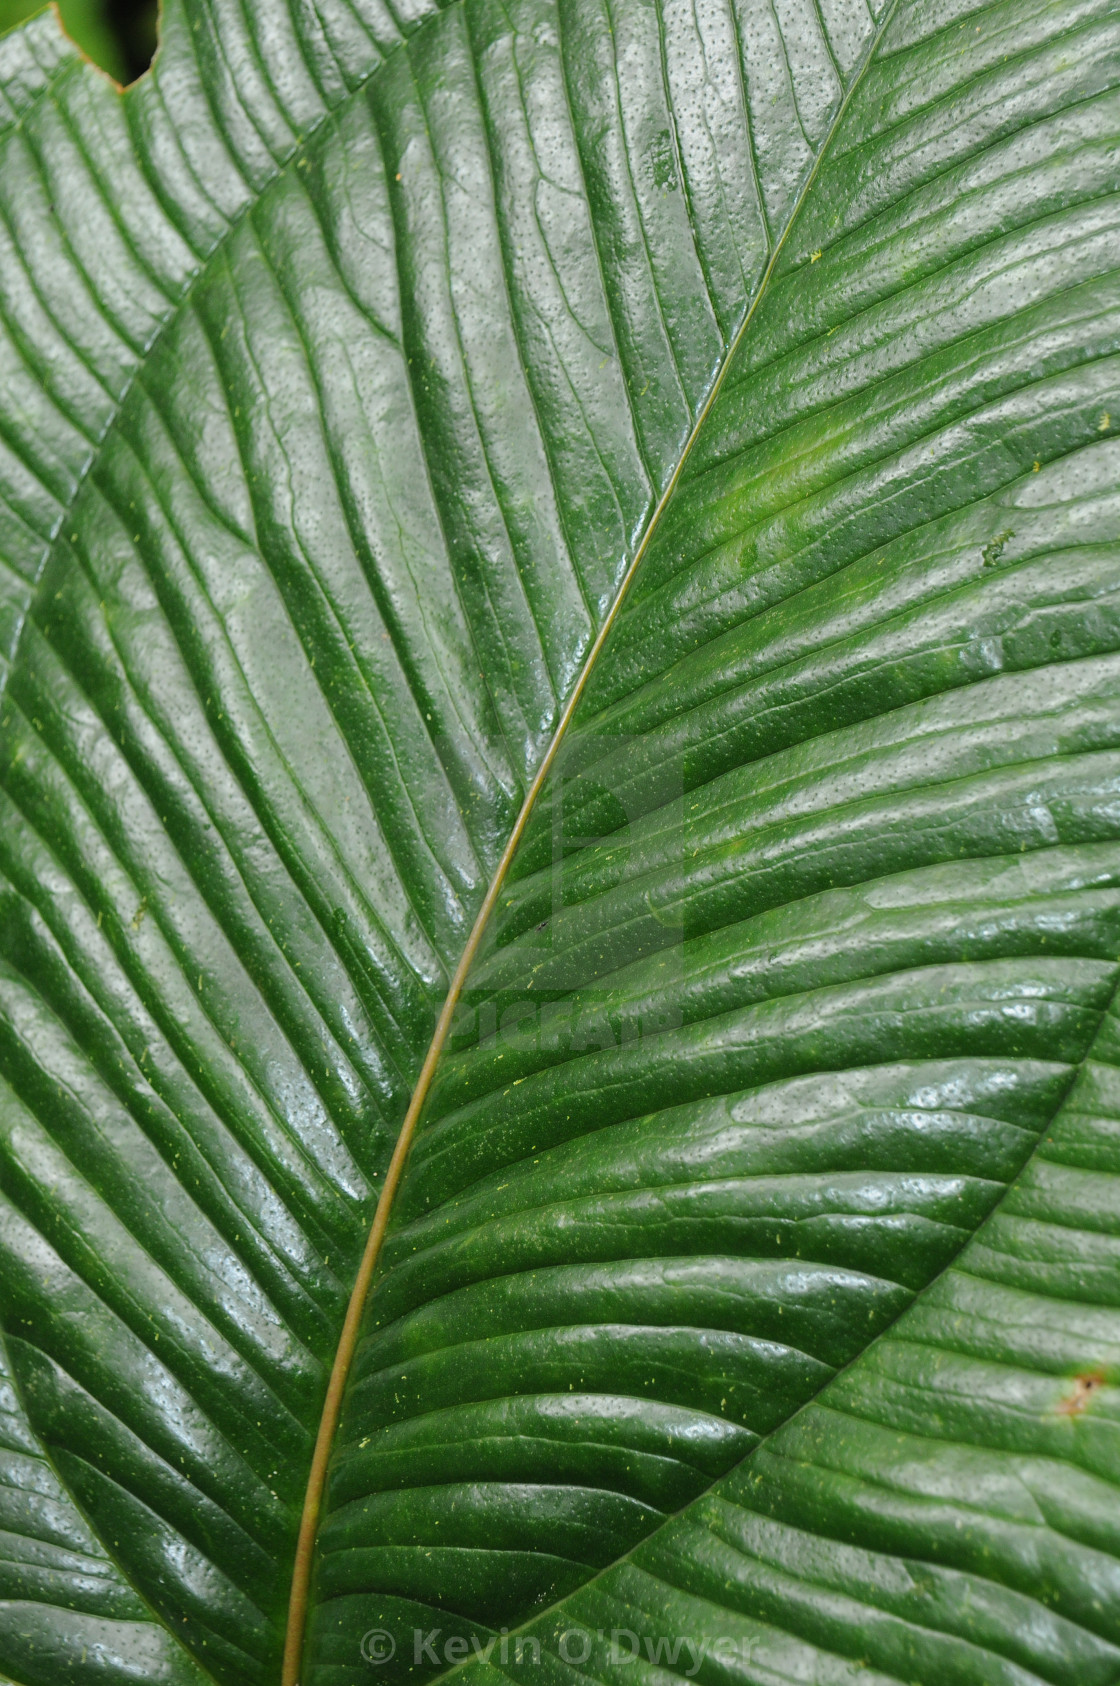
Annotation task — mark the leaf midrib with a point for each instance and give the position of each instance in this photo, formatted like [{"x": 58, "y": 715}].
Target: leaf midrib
[{"x": 309, "y": 1521}]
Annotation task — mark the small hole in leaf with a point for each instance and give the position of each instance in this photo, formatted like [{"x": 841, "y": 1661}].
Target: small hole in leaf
[
  {"x": 135, "y": 24},
  {"x": 118, "y": 35}
]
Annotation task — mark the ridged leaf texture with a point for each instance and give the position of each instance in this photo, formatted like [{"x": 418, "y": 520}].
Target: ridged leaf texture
[{"x": 713, "y": 403}]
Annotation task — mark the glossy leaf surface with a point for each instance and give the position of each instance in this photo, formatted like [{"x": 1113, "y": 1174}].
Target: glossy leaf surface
[{"x": 753, "y": 1277}]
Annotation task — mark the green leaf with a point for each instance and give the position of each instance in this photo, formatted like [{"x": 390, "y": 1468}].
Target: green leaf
[{"x": 560, "y": 582}]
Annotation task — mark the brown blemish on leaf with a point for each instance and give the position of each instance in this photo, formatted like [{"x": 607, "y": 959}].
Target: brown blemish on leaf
[{"x": 1084, "y": 1387}]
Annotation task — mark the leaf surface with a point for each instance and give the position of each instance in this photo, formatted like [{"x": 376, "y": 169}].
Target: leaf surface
[{"x": 352, "y": 358}]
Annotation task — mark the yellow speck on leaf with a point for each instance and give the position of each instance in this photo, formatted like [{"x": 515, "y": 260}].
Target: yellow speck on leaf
[
  {"x": 1035, "y": 467},
  {"x": 813, "y": 256},
  {"x": 1105, "y": 422}
]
